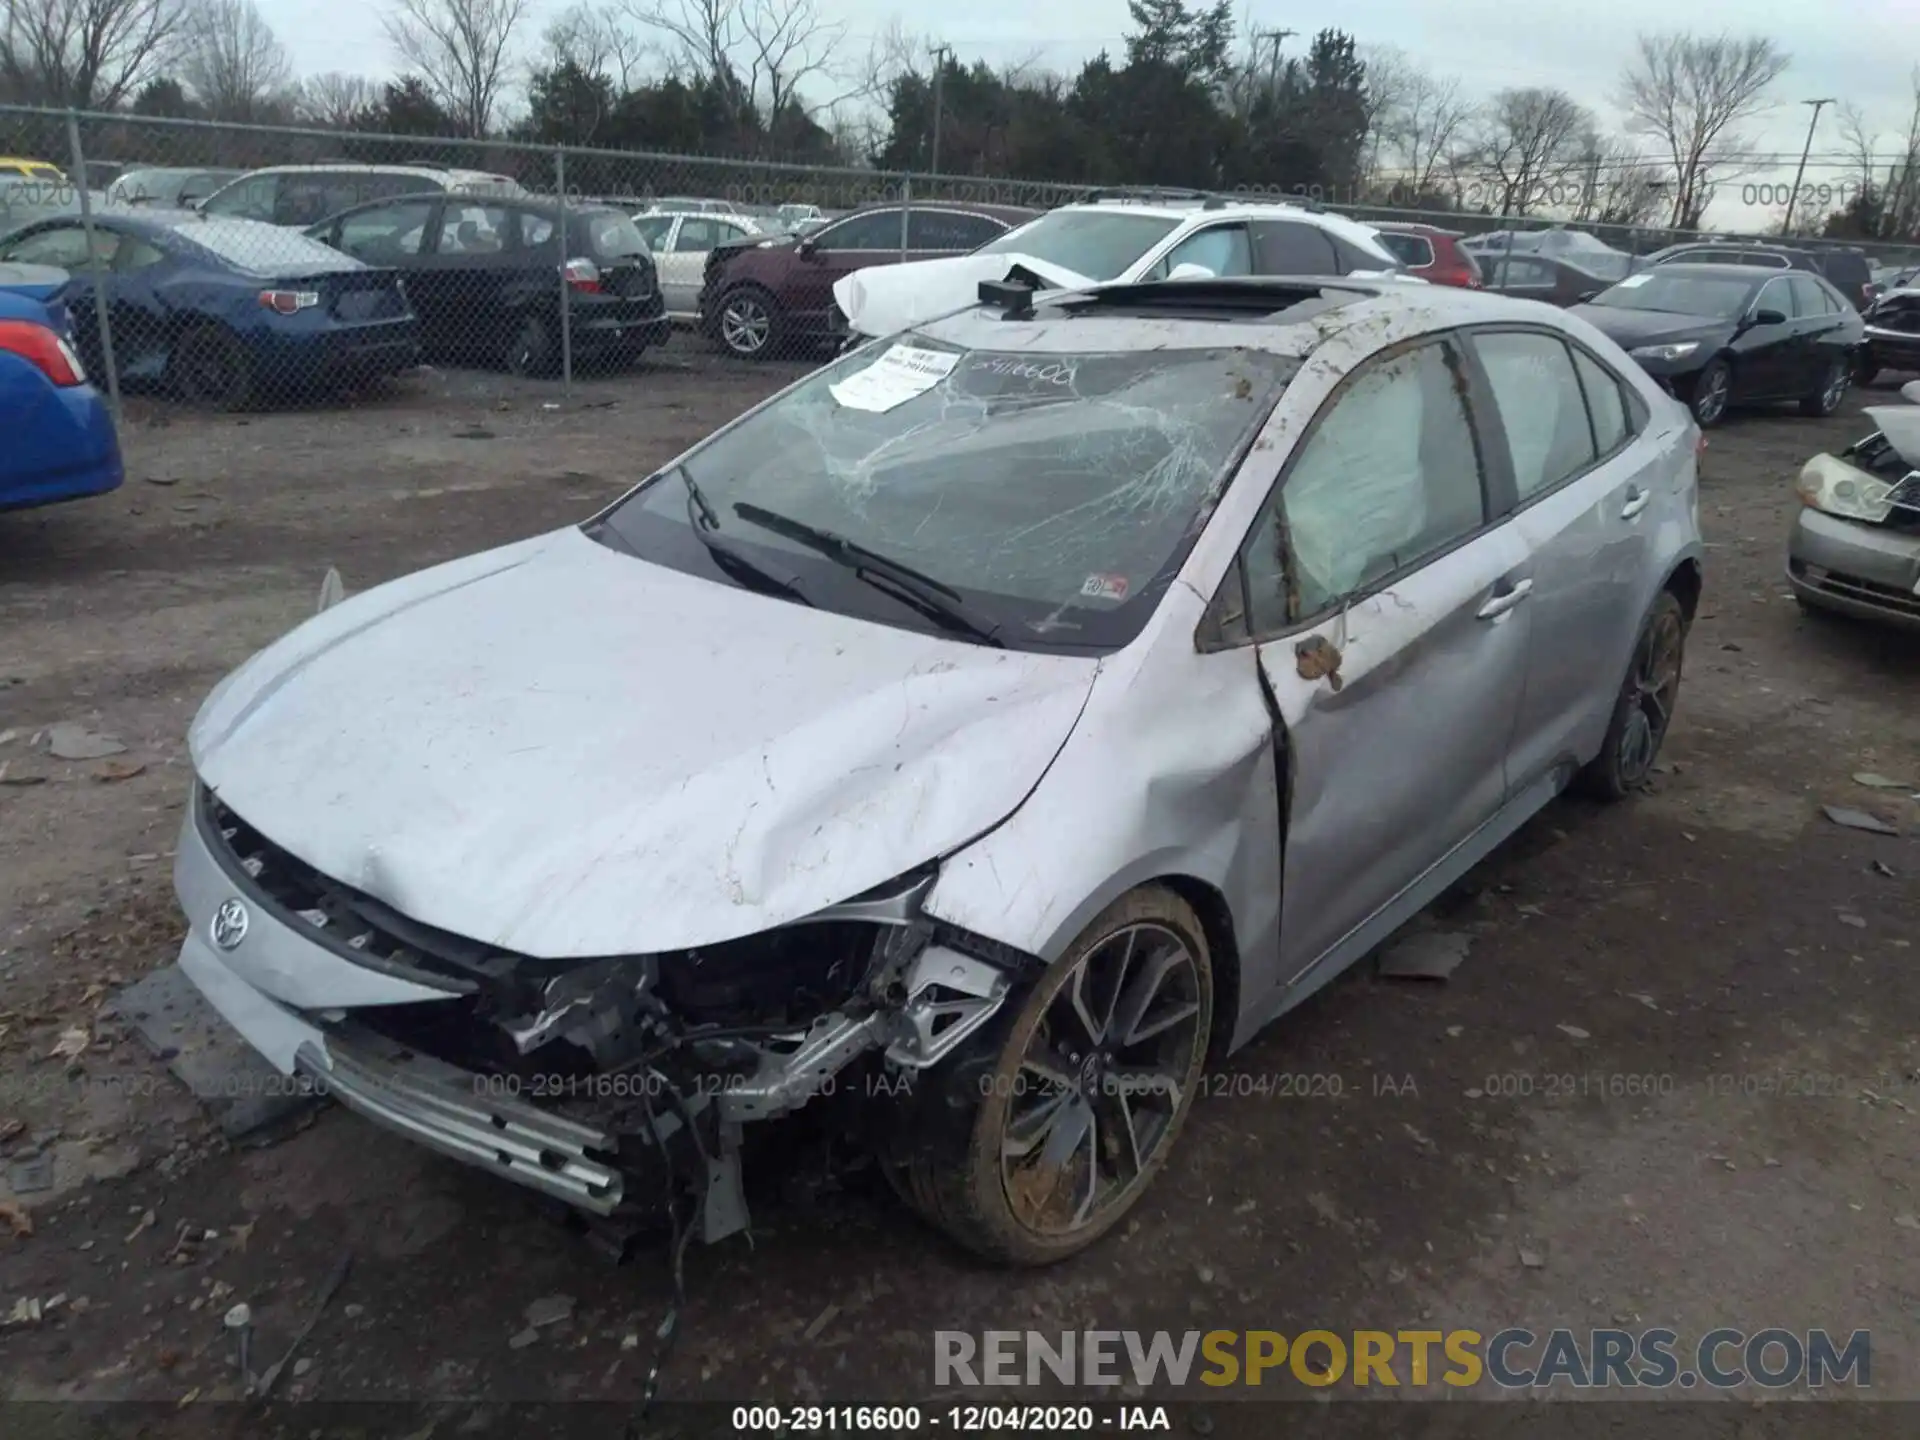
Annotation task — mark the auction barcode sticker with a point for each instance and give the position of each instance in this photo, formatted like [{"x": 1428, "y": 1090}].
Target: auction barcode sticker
[{"x": 895, "y": 378}]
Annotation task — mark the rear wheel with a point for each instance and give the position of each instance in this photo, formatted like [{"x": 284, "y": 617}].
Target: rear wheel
[
  {"x": 1711, "y": 392},
  {"x": 1080, "y": 1098},
  {"x": 1644, "y": 707},
  {"x": 1833, "y": 389},
  {"x": 530, "y": 348},
  {"x": 210, "y": 368}
]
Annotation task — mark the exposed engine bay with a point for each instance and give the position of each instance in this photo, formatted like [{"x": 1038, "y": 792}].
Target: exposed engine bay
[{"x": 597, "y": 1082}]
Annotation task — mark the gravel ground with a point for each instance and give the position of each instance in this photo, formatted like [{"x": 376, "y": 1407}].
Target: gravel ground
[{"x": 1485, "y": 1162}]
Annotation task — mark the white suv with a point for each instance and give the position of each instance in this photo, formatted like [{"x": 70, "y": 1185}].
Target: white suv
[
  {"x": 302, "y": 195},
  {"x": 1124, "y": 237}
]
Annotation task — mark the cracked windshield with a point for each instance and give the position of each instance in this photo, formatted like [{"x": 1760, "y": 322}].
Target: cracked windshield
[{"x": 1050, "y": 490}]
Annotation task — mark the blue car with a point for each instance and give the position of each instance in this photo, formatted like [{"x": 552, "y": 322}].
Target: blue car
[
  {"x": 60, "y": 442},
  {"x": 222, "y": 312}
]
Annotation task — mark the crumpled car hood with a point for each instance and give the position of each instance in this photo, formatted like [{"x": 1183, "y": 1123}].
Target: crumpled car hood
[
  {"x": 566, "y": 752},
  {"x": 886, "y": 299},
  {"x": 1901, "y": 425}
]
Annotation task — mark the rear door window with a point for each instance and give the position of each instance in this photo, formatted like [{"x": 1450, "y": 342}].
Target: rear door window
[
  {"x": 875, "y": 230},
  {"x": 1606, "y": 402},
  {"x": 1542, "y": 407},
  {"x": 1288, "y": 247},
  {"x": 1808, "y": 300},
  {"x": 385, "y": 233},
  {"x": 1218, "y": 249},
  {"x": 469, "y": 229},
  {"x": 948, "y": 230}
]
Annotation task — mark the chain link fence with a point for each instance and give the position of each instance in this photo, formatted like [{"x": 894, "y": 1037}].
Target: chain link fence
[{"x": 235, "y": 266}]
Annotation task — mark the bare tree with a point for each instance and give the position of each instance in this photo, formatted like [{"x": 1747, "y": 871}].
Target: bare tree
[
  {"x": 1615, "y": 182},
  {"x": 1527, "y": 141},
  {"x": 596, "y": 41},
  {"x": 755, "y": 53},
  {"x": 1390, "y": 74},
  {"x": 1423, "y": 128},
  {"x": 334, "y": 101},
  {"x": 90, "y": 54},
  {"x": 1693, "y": 93},
  {"x": 460, "y": 48},
  {"x": 231, "y": 59}
]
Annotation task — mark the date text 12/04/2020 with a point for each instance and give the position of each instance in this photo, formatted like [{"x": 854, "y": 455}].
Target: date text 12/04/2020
[{"x": 957, "y": 1419}]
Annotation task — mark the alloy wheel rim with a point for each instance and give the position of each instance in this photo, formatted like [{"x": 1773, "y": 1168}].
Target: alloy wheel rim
[
  {"x": 1102, "y": 1080},
  {"x": 1715, "y": 398},
  {"x": 744, "y": 325},
  {"x": 1656, "y": 679},
  {"x": 1836, "y": 390}
]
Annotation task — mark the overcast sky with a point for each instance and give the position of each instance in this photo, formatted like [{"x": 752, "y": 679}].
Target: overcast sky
[{"x": 1860, "y": 51}]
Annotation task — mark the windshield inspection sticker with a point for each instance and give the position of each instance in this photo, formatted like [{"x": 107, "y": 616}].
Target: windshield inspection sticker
[
  {"x": 895, "y": 378},
  {"x": 1104, "y": 587}
]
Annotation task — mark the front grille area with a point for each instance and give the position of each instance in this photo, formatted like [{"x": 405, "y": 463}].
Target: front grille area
[{"x": 356, "y": 925}]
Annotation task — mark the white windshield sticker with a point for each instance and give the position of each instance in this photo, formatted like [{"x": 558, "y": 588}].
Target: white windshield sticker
[
  {"x": 1633, "y": 280},
  {"x": 895, "y": 378}
]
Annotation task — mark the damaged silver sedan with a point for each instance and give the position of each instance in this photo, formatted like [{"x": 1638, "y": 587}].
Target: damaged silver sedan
[{"x": 969, "y": 744}]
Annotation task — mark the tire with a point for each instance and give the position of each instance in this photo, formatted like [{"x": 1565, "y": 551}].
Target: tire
[
  {"x": 210, "y": 369},
  {"x": 1833, "y": 389},
  {"x": 749, "y": 324},
  {"x": 1046, "y": 1081},
  {"x": 1643, "y": 710},
  {"x": 529, "y": 349},
  {"x": 1712, "y": 389}
]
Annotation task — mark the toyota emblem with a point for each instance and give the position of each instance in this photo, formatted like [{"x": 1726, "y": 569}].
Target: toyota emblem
[{"x": 229, "y": 925}]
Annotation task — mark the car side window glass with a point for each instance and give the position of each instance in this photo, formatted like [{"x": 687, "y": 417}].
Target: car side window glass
[
  {"x": 65, "y": 247},
  {"x": 1288, "y": 247},
  {"x": 535, "y": 229},
  {"x": 1606, "y": 402},
  {"x": 475, "y": 230},
  {"x": 654, "y": 229},
  {"x": 387, "y": 232},
  {"x": 696, "y": 235},
  {"x": 1542, "y": 408},
  {"x": 1389, "y": 474},
  {"x": 254, "y": 199},
  {"x": 1219, "y": 249},
  {"x": 876, "y": 230},
  {"x": 308, "y": 198},
  {"x": 136, "y": 254},
  {"x": 947, "y": 230},
  {"x": 1808, "y": 299},
  {"x": 1774, "y": 295}
]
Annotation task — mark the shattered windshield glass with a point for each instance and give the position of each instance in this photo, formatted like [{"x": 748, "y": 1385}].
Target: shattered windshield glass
[{"x": 1056, "y": 492}]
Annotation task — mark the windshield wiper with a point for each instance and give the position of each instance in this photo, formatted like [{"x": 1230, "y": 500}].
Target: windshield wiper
[
  {"x": 704, "y": 520},
  {"x": 938, "y": 602}
]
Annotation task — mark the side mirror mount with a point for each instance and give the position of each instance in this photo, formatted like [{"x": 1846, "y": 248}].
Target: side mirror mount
[{"x": 807, "y": 246}]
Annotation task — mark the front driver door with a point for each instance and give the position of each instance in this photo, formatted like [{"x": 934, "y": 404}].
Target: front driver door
[
  {"x": 1387, "y": 594},
  {"x": 1764, "y": 361}
]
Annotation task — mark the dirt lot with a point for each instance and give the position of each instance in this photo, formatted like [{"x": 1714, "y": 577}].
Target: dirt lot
[{"x": 1717, "y": 935}]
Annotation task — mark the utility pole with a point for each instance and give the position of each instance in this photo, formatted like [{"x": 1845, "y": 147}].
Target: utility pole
[
  {"x": 941, "y": 54},
  {"x": 1786, "y": 225},
  {"x": 1273, "y": 65}
]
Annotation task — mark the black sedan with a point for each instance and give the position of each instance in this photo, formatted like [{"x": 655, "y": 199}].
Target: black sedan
[
  {"x": 1723, "y": 335},
  {"x": 487, "y": 273}
]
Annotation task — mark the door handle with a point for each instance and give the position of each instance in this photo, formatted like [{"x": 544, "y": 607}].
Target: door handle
[
  {"x": 1637, "y": 500},
  {"x": 1503, "y": 600}
]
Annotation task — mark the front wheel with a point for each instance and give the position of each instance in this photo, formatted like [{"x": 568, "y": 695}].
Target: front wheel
[
  {"x": 1833, "y": 389},
  {"x": 1644, "y": 707},
  {"x": 1081, "y": 1098},
  {"x": 529, "y": 349},
  {"x": 1711, "y": 392},
  {"x": 749, "y": 324}
]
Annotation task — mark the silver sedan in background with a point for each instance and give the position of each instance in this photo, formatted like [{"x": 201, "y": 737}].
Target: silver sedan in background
[{"x": 963, "y": 746}]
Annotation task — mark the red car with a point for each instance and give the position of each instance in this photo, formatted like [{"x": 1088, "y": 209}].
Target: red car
[
  {"x": 774, "y": 296},
  {"x": 1432, "y": 254}
]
